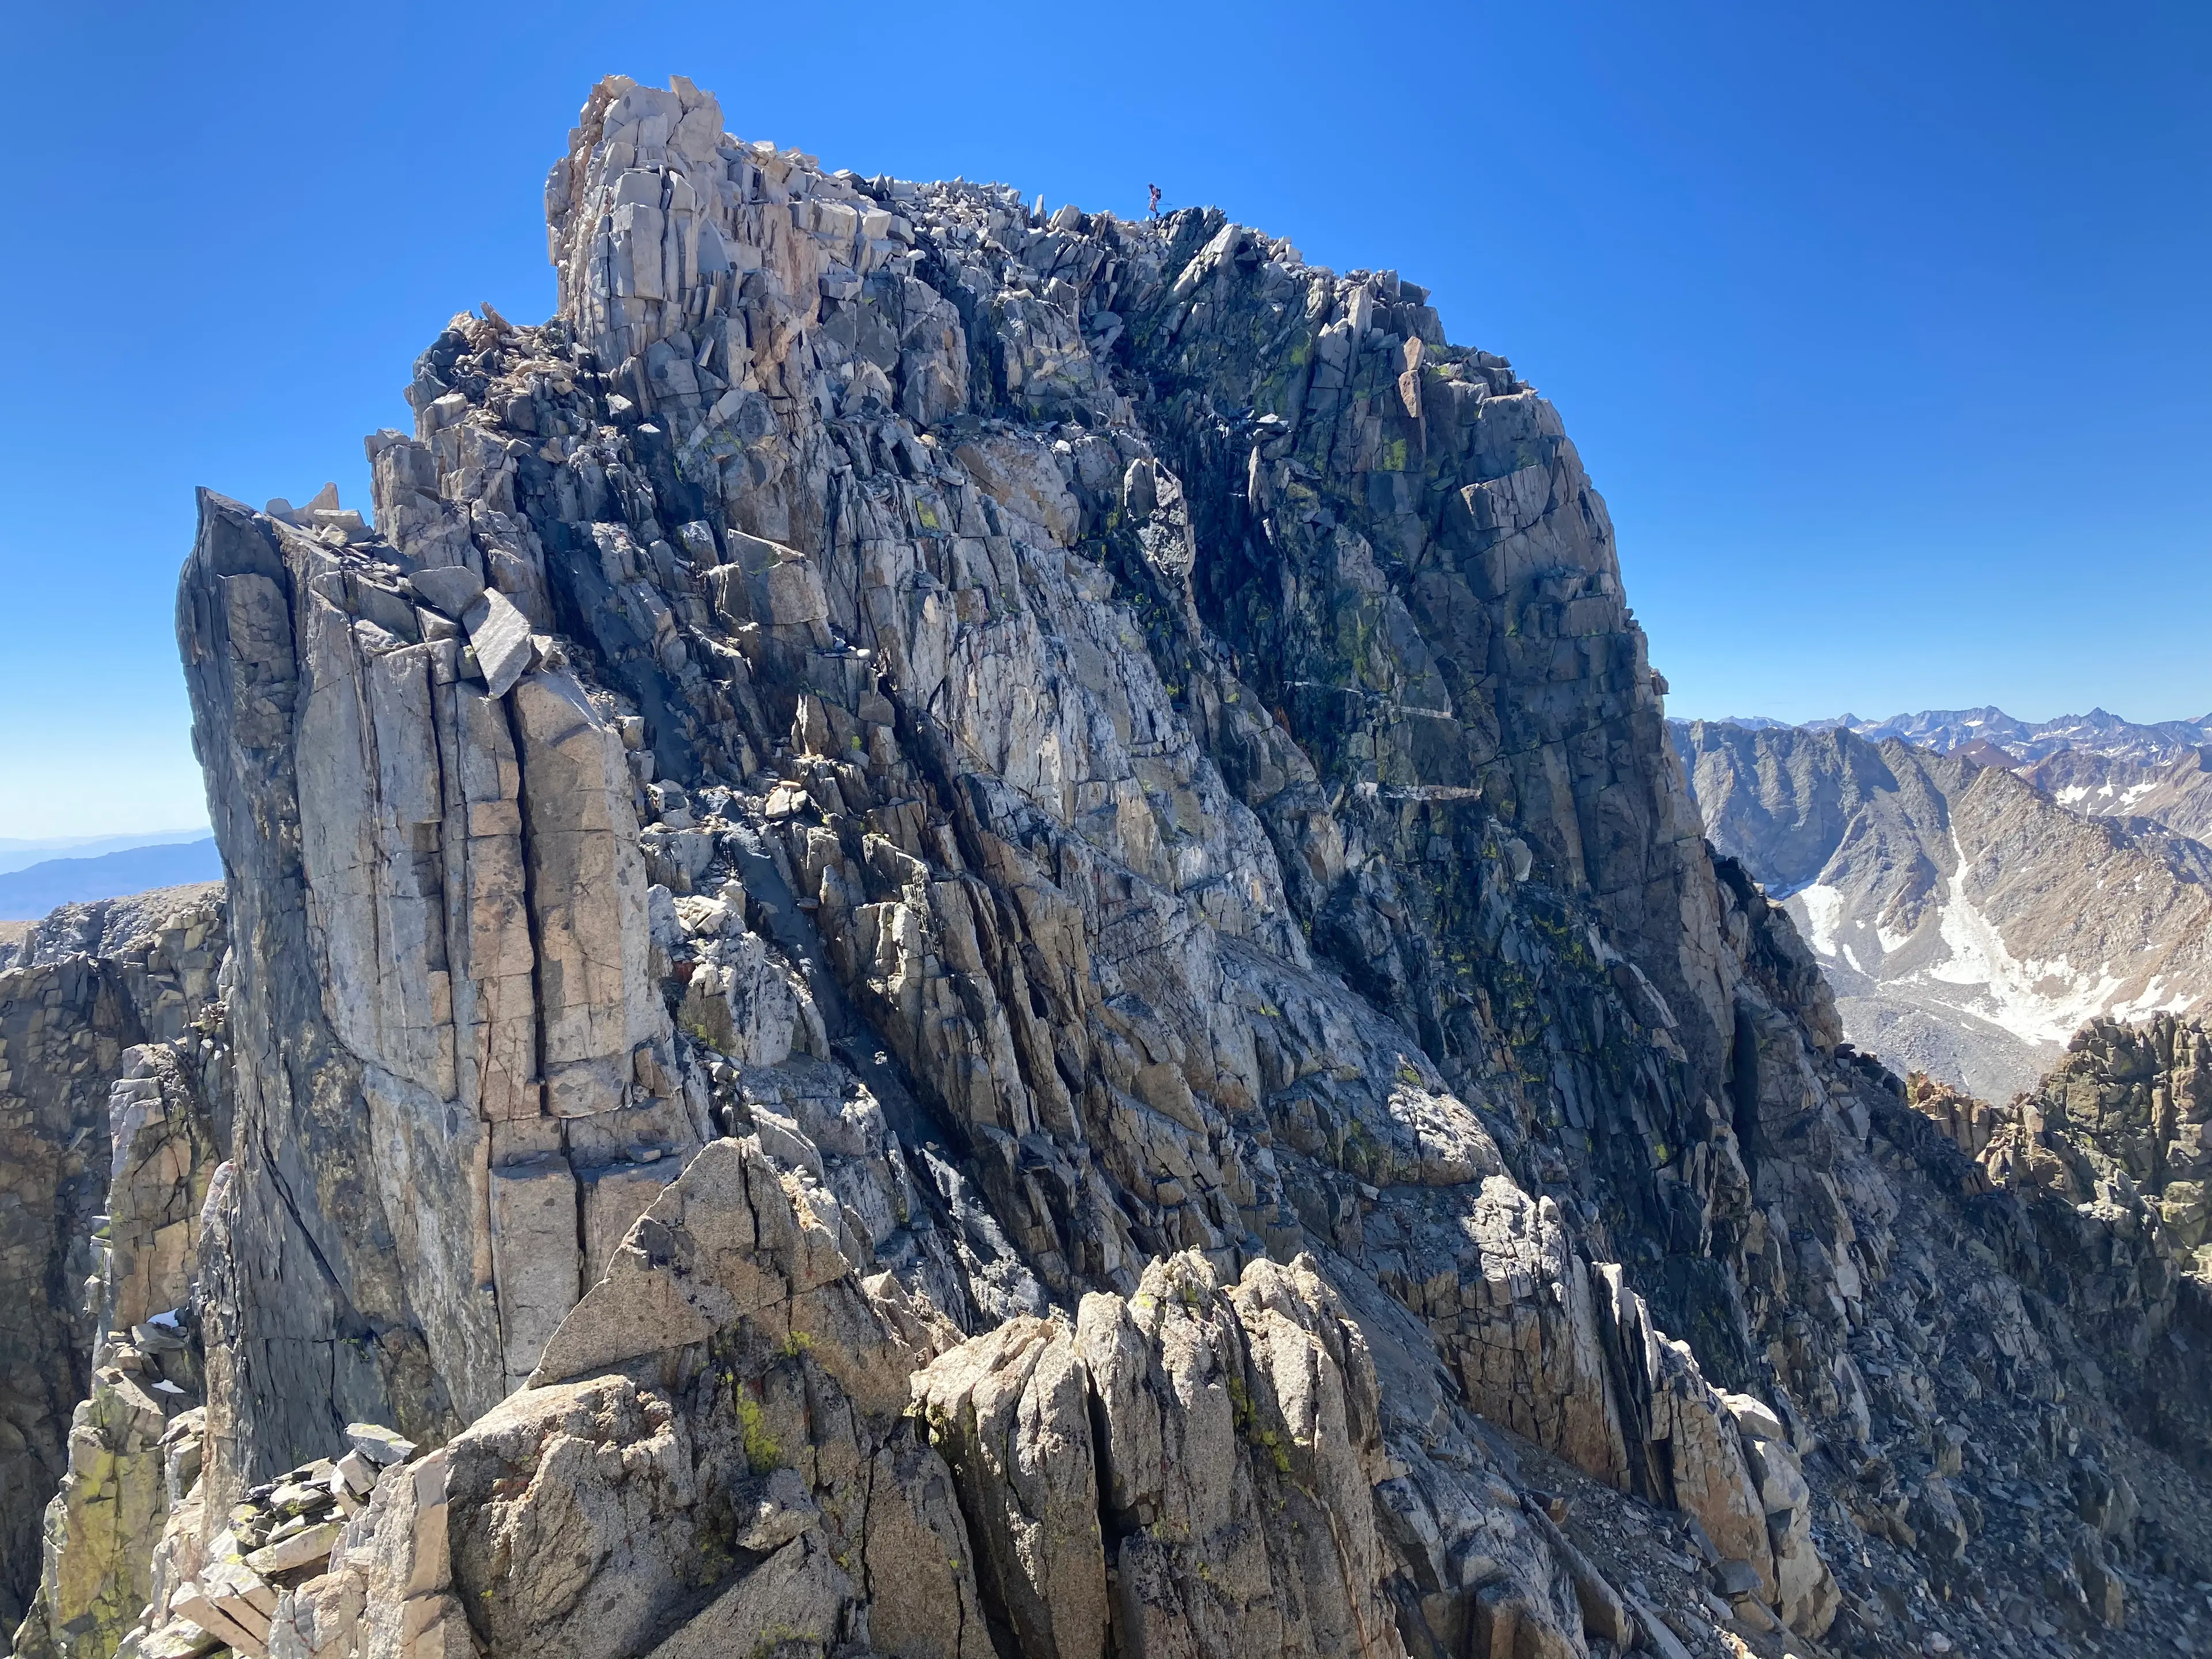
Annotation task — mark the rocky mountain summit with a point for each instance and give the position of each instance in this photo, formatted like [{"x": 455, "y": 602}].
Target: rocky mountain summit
[
  {"x": 971, "y": 932},
  {"x": 1969, "y": 917}
]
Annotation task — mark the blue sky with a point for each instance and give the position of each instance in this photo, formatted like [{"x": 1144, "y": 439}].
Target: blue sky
[{"x": 1883, "y": 329}]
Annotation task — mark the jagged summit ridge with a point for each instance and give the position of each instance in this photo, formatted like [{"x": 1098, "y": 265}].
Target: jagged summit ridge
[
  {"x": 894, "y": 699},
  {"x": 948, "y": 887},
  {"x": 2097, "y": 732}
]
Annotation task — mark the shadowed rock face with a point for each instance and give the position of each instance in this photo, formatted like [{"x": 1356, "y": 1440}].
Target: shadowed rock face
[
  {"x": 2107, "y": 1153},
  {"x": 973, "y": 934}
]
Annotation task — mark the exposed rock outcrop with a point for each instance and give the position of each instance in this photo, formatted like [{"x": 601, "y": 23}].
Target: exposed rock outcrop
[
  {"x": 2106, "y": 1156},
  {"x": 134, "y": 1442},
  {"x": 85, "y": 1107},
  {"x": 969, "y": 933}
]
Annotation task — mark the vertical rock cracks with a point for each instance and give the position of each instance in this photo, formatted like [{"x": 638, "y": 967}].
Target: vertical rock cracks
[{"x": 967, "y": 932}]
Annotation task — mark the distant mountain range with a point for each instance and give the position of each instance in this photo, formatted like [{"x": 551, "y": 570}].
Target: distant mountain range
[
  {"x": 2097, "y": 732},
  {"x": 17, "y": 854},
  {"x": 1972, "y": 903},
  {"x": 28, "y": 893}
]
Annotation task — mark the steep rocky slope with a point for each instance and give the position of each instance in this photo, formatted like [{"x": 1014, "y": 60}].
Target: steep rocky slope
[
  {"x": 968, "y": 934},
  {"x": 2119, "y": 1120},
  {"x": 2174, "y": 794},
  {"x": 1968, "y": 920},
  {"x": 2107, "y": 1156}
]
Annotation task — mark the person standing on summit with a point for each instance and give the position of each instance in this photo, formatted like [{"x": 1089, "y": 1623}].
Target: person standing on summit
[{"x": 1155, "y": 189}]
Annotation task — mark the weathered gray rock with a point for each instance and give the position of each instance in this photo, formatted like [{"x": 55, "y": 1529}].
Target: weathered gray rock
[
  {"x": 1011, "y": 1412},
  {"x": 2104, "y": 1158},
  {"x": 1053, "y": 830},
  {"x": 1221, "y": 1406},
  {"x": 469, "y": 994},
  {"x": 379, "y": 1445},
  {"x": 499, "y": 634}
]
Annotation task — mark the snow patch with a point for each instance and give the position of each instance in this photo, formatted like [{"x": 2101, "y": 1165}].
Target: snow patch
[
  {"x": 1823, "y": 909},
  {"x": 2144, "y": 1007},
  {"x": 2040, "y": 1001}
]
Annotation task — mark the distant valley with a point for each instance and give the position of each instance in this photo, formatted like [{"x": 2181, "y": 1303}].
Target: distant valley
[{"x": 1975, "y": 886}]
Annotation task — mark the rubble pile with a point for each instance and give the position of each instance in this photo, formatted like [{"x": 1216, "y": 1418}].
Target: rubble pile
[{"x": 279, "y": 1537}]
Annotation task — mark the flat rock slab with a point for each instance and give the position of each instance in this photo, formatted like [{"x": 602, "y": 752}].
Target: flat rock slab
[
  {"x": 452, "y": 588},
  {"x": 500, "y": 634}
]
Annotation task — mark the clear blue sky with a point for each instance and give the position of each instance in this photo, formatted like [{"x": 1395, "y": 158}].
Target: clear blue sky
[{"x": 1883, "y": 328}]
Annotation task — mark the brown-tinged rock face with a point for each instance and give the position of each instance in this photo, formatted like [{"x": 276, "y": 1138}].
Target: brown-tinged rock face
[{"x": 971, "y": 933}]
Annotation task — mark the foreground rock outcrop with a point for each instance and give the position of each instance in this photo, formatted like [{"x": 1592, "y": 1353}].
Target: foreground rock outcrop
[
  {"x": 971, "y": 933},
  {"x": 2107, "y": 1159}
]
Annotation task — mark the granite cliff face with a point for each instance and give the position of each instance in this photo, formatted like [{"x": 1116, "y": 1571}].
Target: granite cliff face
[
  {"x": 1969, "y": 915},
  {"x": 968, "y": 934}
]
